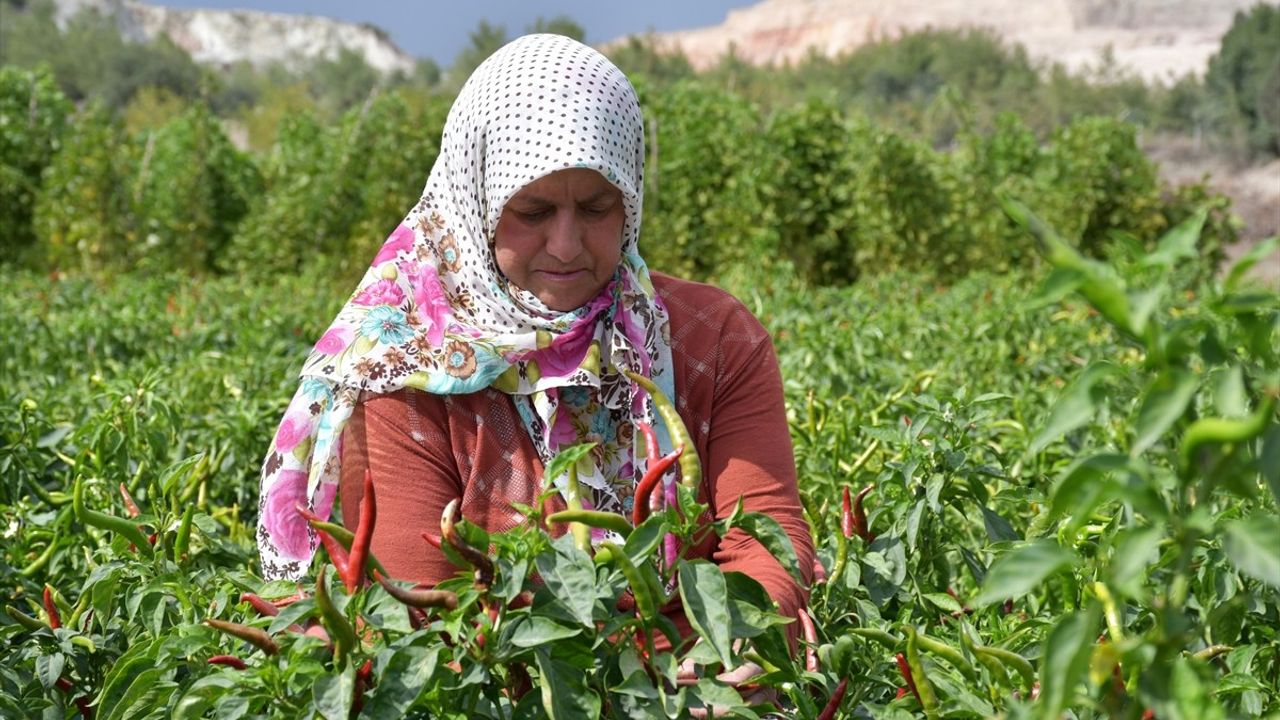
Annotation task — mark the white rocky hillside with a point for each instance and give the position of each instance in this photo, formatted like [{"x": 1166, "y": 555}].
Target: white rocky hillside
[
  {"x": 222, "y": 37},
  {"x": 1158, "y": 39}
]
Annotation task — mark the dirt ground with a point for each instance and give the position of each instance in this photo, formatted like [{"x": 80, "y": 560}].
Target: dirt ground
[{"x": 1254, "y": 191}]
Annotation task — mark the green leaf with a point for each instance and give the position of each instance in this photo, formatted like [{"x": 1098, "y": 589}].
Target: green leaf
[
  {"x": 706, "y": 603},
  {"x": 1136, "y": 550},
  {"x": 202, "y": 696},
  {"x": 534, "y": 630},
  {"x": 1179, "y": 243},
  {"x": 571, "y": 577},
  {"x": 775, "y": 540},
  {"x": 49, "y": 668},
  {"x": 1253, "y": 545},
  {"x": 944, "y": 602},
  {"x": 564, "y": 459},
  {"x": 1163, "y": 404},
  {"x": 401, "y": 680},
  {"x": 1077, "y": 405},
  {"x": 1022, "y": 570},
  {"x": 1248, "y": 260},
  {"x": 565, "y": 695},
  {"x": 332, "y": 694},
  {"x": 1269, "y": 459},
  {"x": 1086, "y": 483},
  {"x": 1065, "y": 659},
  {"x": 998, "y": 529}
]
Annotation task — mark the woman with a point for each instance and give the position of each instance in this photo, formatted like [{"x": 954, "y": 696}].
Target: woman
[{"x": 492, "y": 330}]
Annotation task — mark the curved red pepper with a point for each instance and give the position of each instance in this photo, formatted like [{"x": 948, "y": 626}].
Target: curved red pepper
[
  {"x": 263, "y": 607},
  {"x": 829, "y": 712},
  {"x": 228, "y": 660},
  {"x": 846, "y": 513},
  {"x": 130, "y": 506},
  {"x": 354, "y": 575},
  {"x": 810, "y": 640},
  {"x": 651, "y": 451},
  {"x": 337, "y": 553},
  {"x": 51, "y": 609},
  {"x": 860, "y": 515},
  {"x": 652, "y": 476},
  {"x": 905, "y": 669}
]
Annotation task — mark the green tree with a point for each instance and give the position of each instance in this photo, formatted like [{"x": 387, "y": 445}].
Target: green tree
[
  {"x": 81, "y": 212},
  {"x": 33, "y": 119},
  {"x": 1244, "y": 77},
  {"x": 484, "y": 41},
  {"x": 558, "y": 25}
]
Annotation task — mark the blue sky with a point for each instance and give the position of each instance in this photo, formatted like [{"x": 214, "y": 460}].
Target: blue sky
[{"x": 439, "y": 30}]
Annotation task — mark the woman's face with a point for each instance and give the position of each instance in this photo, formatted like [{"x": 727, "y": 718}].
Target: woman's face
[{"x": 560, "y": 237}]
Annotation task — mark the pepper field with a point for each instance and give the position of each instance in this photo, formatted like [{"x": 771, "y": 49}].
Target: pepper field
[{"x": 1072, "y": 513}]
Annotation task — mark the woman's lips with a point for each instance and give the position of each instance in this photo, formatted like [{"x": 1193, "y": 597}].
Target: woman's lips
[{"x": 561, "y": 276}]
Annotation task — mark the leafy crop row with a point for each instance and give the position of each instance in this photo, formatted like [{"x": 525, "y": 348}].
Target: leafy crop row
[{"x": 1072, "y": 509}]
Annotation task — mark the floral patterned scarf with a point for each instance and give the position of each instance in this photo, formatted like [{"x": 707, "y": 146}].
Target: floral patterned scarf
[{"x": 434, "y": 313}]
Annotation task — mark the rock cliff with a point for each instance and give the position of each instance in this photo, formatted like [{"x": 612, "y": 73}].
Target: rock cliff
[
  {"x": 1157, "y": 39},
  {"x": 222, "y": 37}
]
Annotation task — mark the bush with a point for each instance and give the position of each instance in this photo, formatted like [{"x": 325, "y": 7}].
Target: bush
[
  {"x": 81, "y": 213},
  {"x": 33, "y": 118}
]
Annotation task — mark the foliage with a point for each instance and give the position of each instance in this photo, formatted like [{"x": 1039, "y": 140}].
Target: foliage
[
  {"x": 1105, "y": 463},
  {"x": 191, "y": 188},
  {"x": 33, "y": 117},
  {"x": 81, "y": 212},
  {"x": 1244, "y": 76}
]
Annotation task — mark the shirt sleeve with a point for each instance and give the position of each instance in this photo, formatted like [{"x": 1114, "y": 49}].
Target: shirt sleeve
[
  {"x": 399, "y": 437},
  {"x": 749, "y": 457}
]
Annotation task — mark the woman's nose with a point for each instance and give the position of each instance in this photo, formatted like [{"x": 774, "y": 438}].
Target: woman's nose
[{"x": 564, "y": 237}]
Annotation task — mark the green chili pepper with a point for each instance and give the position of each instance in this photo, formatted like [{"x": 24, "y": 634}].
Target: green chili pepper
[
  {"x": 948, "y": 653},
  {"x": 182, "y": 541},
  {"x": 842, "y": 559},
  {"x": 1011, "y": 660},
  {"x": 344, "y": 636},
  {"x": 25, "y": 620},
  {"x": 648, "y": 597},
  {"x": 594, "y": 518},
  {"x": 877, "y": 635},
  {"x": 928, "y": 698},
  {"x": 111, "y": 523},
  {"x": 344, "y": 537},
  {"x": 1212, "y": 652},
  {"x": 690, "y": 464},
  {"x": 1222, "y": 430}
]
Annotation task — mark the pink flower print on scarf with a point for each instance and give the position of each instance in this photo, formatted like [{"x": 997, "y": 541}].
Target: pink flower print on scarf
[
  {"x": 563, "y": 434},
  {"x": 428, "y": 296},
  {"x": 565, "y": 354},
  {"x": 281, "y": 519},
  {"x": 291, "y": 432},
  {"x": 400, "y": 239},
  {"x": 383, "y": 292},
  {"x": 335, "y": 340}
]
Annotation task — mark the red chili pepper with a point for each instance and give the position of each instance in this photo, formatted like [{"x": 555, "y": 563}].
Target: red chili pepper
[
  {"x": 254, "y": 636},
  {"x": 860, "y": 515},
  {"x": 829, "y": 712},
  {"x": 263, "y": 607},
  {"x": 902, "y": 692},
  {"x": 905, "y": 669},
  {"x": 64, "y": 685},
  {"x": 51, "y": 608},
  {"x": 651, "y": 451},
  {"x": 640, "y": 506},
  {"x": 432, "y": 540},
  {"x": 846, "y": 513},
  {"x": 810, "y": 640},
  {"x": 130, "y": 506},
  {"x": 228, "y": 660},
  {"x": 354, "y": 576},
  {"x": 287, "y": 601},
  {"x": 337, "y": 553},
  {"x": 362, "y": 680},
  {"x": 418, "y": 598}
]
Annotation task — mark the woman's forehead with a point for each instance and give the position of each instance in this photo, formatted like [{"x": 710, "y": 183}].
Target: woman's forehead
[{"x": 577, "y": 184}]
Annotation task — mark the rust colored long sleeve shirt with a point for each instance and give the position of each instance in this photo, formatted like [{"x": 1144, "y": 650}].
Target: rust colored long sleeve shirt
[{"x": 426, "y": 450}]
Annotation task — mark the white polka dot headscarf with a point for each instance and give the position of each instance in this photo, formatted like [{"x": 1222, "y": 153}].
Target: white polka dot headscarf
[{"x": 433, "y": 312}]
